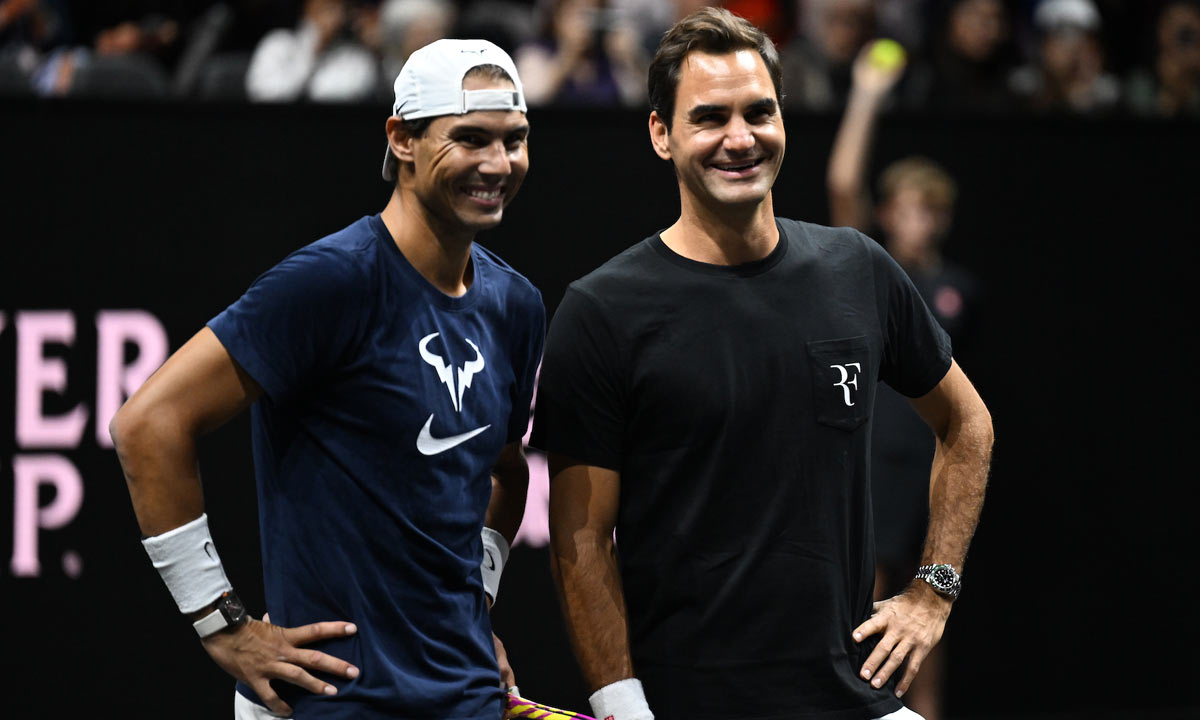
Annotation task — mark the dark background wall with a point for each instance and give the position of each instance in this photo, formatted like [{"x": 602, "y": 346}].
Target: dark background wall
[{"x": 1079, "y": 590}]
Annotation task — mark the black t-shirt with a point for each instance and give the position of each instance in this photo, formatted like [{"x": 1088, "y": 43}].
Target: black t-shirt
[{"x": 735, "y": 403}]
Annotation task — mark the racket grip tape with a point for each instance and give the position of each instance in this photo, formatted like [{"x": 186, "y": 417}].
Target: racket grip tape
[{"x": 522, "y": 708}]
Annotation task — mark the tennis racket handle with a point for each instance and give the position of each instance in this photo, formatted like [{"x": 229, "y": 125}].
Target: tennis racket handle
[{"x": 519, "y": 707}]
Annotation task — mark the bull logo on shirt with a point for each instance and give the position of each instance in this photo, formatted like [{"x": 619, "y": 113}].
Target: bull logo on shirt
[{"x": 445, "y": 371}]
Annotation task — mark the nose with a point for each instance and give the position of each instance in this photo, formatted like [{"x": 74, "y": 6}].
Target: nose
[
  {"x": 496, "y": 160},
  {"x": 738, "y": 137}
]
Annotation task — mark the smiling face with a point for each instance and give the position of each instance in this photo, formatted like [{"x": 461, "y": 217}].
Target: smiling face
[
  {"x": 465, "y": 169},
  {"x": 726, "y": 138}
]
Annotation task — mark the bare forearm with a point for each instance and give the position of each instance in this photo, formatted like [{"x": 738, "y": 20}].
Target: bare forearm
[
  {"x": 510, "y": 485},
  {"x": 543, "y": 74},
  {"x": 956, "y": 490},
  {"x": 849, "y": 204},
  {"x": 507, "y": 507},
  {"x": 557, "y": 73},
  {"x": 594, "y": 606},
  {"x": 155, "y": 432},
  {"x": 161, "y": 473}
]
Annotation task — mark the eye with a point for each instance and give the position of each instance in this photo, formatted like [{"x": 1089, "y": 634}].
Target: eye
[
  {"x": 473, "y": 140},
  {"x": 760, "y": 114}
]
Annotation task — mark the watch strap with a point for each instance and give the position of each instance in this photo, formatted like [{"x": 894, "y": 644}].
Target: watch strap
[
  {"x": 950, "y": 588},
  {"x": 211, "y": 623},
  {"x": 228, "y": 612}
]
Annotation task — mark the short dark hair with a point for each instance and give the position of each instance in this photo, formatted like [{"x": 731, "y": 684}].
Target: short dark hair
[
  {"x": 709, "y": 30},
  {"x": 417, "y": 128}
]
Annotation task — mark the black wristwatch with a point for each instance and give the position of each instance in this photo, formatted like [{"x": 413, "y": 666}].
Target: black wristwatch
[
  {"x": 229, "y": 612},
  {"x": 943, "y": 578}
]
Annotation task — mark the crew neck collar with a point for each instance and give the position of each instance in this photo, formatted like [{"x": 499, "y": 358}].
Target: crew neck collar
[
  {"x": 749, "y": 269},
  {"x": 435, "y": 295}
]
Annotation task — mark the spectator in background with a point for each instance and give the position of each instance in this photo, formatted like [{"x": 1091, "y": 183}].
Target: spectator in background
[
  {"x": 326, "y": 57},
  {"x": 905, "y": 21},
  {"x": 774, "y": 17},
  {"x": 1067, "y": 74},
  {"x": 28, "y": 29},
  {"x": 967, "y": 62},
  {"x": 652, "y": 18},
  {"x": 913, "y": 218},
  {"x": 38, "y": 24},
  {"x": 586, "y": 53},
  {"x": 155, "y": 35},
  {"x": 1169, "y": 86},
  {"x": 816, "y": 63},
  {"x": 408, "y": 25},
  {"x": 133, "y": 57},
  {"x": 507, "y": 23}
]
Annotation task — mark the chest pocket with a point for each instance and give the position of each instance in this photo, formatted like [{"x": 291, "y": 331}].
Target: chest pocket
[{"x": 842, "y": 380}]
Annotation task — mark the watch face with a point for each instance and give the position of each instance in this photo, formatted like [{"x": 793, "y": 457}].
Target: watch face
[
  {"x": 943, "y": 577},
  {"x": 232, "y": 608}
]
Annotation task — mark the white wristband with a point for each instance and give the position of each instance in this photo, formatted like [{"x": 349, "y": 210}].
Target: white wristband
[
  {"x": 622, "y": 700},
  {"x": 188, "y": 562},
  {"x": 495, "y": 554}
]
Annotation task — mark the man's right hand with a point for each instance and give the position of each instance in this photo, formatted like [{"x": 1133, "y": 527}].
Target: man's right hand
[
  {"x": 873, "y": 79},
  {"x": 258, "y": 652}
]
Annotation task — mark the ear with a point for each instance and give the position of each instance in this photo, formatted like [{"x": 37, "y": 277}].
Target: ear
[
  {"x": 660, "y": 136},
  {"x": 398, "y": 140}
]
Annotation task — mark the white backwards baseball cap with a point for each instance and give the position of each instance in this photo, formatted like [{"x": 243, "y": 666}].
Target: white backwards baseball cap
[
  {"x": 1053, "y": 15},
  {"x": 430, "y": 84}
]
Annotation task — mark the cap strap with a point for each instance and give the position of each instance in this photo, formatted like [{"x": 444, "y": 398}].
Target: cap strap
[{"x": 490, "y": 100}]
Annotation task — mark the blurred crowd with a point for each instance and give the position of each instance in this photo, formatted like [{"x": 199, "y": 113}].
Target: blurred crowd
[{"x": 1073, "y": 56}]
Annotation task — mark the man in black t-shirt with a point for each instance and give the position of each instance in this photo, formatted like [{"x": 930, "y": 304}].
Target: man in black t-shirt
[{"x": 708, "y": 394}]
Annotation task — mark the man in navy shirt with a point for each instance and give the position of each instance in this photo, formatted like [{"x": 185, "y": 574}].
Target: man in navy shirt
[{"x": 390, "y": 368}]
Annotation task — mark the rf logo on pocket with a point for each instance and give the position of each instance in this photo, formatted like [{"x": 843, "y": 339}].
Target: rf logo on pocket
[{"x": 848, "y": 379}]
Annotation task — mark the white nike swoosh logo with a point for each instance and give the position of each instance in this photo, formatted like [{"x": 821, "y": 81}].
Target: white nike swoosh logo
[{"x": 429, "y": 445}]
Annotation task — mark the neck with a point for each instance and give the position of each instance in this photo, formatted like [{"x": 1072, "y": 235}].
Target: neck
[
  {"x": 723, "y": 236},
  {"x": 441, "y": 254},
  {"x": 916, "y": 260}
]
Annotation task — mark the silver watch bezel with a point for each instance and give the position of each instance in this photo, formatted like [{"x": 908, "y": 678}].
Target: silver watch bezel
[{"x": 933, "y": 574}]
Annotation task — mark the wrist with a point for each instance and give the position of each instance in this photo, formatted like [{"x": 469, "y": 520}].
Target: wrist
[
  {"x": 228, "y": 613},
  {"x": 495, "y": 554},
  {"x": 942, "y": 579},
  {"x": 867, "y": 99},
  {"x": 621, "y": 700},
  {"x": 189, "y": 565},
  {"x": 925, "y": 594}
]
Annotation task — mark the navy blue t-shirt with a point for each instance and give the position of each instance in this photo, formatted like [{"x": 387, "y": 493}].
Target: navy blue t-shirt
[{"x": 386, "y": 405}]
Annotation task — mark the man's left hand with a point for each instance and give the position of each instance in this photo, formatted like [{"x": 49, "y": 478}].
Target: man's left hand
[
  {"x": 911, "y": 624},
  {"x": 507, "y": 678}
]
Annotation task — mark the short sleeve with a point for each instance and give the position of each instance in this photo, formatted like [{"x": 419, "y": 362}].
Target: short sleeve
[
  {"x": 296, "y": 320},
  {"x": 581, "y": 390},
  {"x": 526, "y": 369},
  {"x": 917, "y": 351}
]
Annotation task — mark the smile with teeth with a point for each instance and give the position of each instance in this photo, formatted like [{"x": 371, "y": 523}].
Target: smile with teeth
[
  {"x": 738, "y": 167},
  {"x": 484, "y": 194}
]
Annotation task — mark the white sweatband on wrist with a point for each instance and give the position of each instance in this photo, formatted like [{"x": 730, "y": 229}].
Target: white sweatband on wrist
[
  {"x": 622, "y": 700},
  {"x": 188, "y": 562},
  {"x": 495, "y": 554}
]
